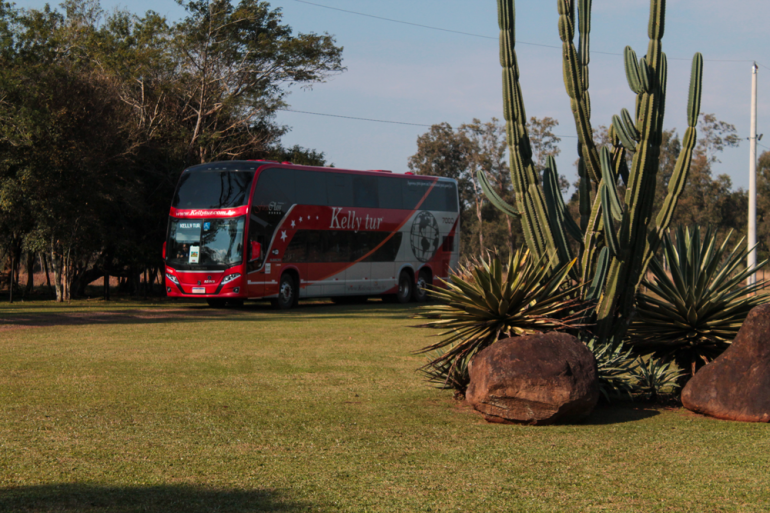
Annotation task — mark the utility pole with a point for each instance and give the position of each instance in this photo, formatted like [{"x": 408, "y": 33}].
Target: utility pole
[{"x": 751, "y": 260}]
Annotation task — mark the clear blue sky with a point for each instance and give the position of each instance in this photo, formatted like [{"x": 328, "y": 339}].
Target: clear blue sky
[{"x": 416, "y": 75}]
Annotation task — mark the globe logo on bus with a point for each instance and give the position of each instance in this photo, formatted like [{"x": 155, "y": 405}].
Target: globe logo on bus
[{"x": 424, "y": 236}]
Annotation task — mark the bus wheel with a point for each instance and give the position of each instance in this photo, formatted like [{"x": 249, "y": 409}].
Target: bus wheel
[
  {"x": 420, "y": 293},
  {"x": 216, "y": 303},
  {"x": 287, "y": 293},
  {"x": 404, "y": 293}
]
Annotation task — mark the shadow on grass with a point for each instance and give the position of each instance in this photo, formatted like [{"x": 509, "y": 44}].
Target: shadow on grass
[
  {"x": 22, "y": 317},
  {"x": 71, "y": 498},
  {"x": 17, "y": 320},
  {"x": 620, "y": 413}
]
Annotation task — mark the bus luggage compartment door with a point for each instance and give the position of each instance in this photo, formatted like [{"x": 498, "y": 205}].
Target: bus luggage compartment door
[{"x": 358, "y": 279}]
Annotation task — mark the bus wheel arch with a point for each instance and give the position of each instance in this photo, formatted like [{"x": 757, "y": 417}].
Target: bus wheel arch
[
  {"x": 423, "y": 282},
  {"x": 405, "y": 285},
  {"x": 288, "y": 290}
]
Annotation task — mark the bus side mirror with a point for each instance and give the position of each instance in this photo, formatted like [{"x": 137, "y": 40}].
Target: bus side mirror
[
  {"x": 164, "y": 251},
  {"x": 256, "y": 250}
]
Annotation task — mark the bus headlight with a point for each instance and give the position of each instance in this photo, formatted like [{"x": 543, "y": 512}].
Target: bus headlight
[
  {"x": 172, "y": 278},
  {"x": 231, "y": 277}
]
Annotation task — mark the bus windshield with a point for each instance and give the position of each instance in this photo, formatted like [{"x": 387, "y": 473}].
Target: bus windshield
[
  {"x": 213, "y": 188},
  {"x": 206, "y": 244}
]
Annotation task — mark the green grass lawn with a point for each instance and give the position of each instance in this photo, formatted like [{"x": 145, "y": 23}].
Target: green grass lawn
[{"x": 167, "y": 406}]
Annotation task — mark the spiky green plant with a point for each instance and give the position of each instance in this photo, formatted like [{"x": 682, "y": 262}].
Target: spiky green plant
[
  {"x": 447, "y": 374},
  {"x": 693, "y": 314},
  {"x": 655, "y": 378},
  {"x": 614, "y": 364},
  {"x": 486, "y": 300},
  {"x": 616, "y": 237}
]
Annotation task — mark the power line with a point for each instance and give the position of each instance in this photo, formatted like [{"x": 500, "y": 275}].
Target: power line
[
  {"x": 424, "y": 26},
  {"x": 397, "y": 21},
  {"x": 352, "y": 117},
  {"x": 379, "y": 120},
  {"x": 490, "y": 37}
]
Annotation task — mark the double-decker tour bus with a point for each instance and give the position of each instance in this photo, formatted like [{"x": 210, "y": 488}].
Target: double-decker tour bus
[{"x": 266, "y": 230}]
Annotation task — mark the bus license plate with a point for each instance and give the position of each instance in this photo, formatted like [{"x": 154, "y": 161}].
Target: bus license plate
[{"x": 199, "y": 290}]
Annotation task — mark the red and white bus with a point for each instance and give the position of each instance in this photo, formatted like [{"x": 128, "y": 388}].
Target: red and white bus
[{"x": 266, "y": 230}]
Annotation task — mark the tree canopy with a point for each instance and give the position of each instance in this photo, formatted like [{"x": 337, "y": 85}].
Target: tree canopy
[
  {"x": 100, "y": 113},
  {"x": 480, "y": 146},
  {"x": 706, "y": 200}
]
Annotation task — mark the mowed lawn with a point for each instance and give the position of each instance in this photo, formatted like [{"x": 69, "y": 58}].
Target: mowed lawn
[{"x": 167, "y": 406}]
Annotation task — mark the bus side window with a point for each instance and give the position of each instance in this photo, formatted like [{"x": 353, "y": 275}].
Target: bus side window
[
  {"x": 365, "y": 192},
  {"x": 339, "y": 190},
  {"x": 389, "y": 244},
  {"x": 315, "y": 249},
  {"x": 296, "y": 252},
  {"x": 451, "y": 198},
  {"x": 389, "y": 192},
  {"x": 413, "y": 192},
  {"x": 336, "y": 246},
  {"x": 275, "y": 190},
  {"x": 363, "y": 242},
  {"x": 310, "y": 187}
]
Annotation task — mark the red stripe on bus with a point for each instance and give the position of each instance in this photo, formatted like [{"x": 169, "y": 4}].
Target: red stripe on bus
[{"x": 392, "y": 234}]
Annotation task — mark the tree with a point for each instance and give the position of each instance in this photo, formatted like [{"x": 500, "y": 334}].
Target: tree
[
  {"x": 708, "y": 201},
  {"x": 459, "y": 154},
  {"x": 444, "y": 152},
  {"x": 487, "y": 149},
  {"x": 763, "y": 204},
  {"x": 60, "y": 170},
  {"x": 98, "y": 115},
  {"x": 235, "y": 63},
  {"x": 705, "y": 201},
  {"x": 543, "y": 141},
  {"x": 296, "y": 155}
]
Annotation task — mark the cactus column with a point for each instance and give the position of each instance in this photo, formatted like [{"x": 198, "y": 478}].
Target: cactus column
[{"x": 616, "y": 237}]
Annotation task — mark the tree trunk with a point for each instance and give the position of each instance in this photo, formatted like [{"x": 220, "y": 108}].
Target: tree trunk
[
  {"x": 477, "y": 202},
  {"x": 44, "y": 265},
  {"x": 107, "y": 262},
  {"x": 30, "y": 273},
  {"x": 68, "y": 275},
  {"x": 10, "y": 279},
  {"x": 481, "y": 227},
  {"x": 17, "y": 280},
  {"x": 56, "y": 263}
]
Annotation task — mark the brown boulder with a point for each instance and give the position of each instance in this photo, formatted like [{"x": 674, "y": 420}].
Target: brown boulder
[
  {"x": 736, "y": 386},
  {"x": 534, "y": 379}
]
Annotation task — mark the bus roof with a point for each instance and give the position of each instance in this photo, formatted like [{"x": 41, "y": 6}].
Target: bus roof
[{"x": 259, "y": 164}]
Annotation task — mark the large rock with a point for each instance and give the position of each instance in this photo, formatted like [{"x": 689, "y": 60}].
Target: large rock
[
  {"x": 736, "y": 386},
  {"x": 535, "y": 379}
]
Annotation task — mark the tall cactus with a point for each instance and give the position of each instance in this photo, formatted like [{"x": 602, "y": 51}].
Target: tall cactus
[{"x": 616, "y": 237}]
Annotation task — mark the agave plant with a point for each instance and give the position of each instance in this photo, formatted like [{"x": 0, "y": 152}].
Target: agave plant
[
  {"x": 486, "y": 301},
  {"x": 694, "y": 314},
  {"x": 655, "y": 378},
  {"x": 614, "y": 364},
  {"x": 447, "y": 373}
]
